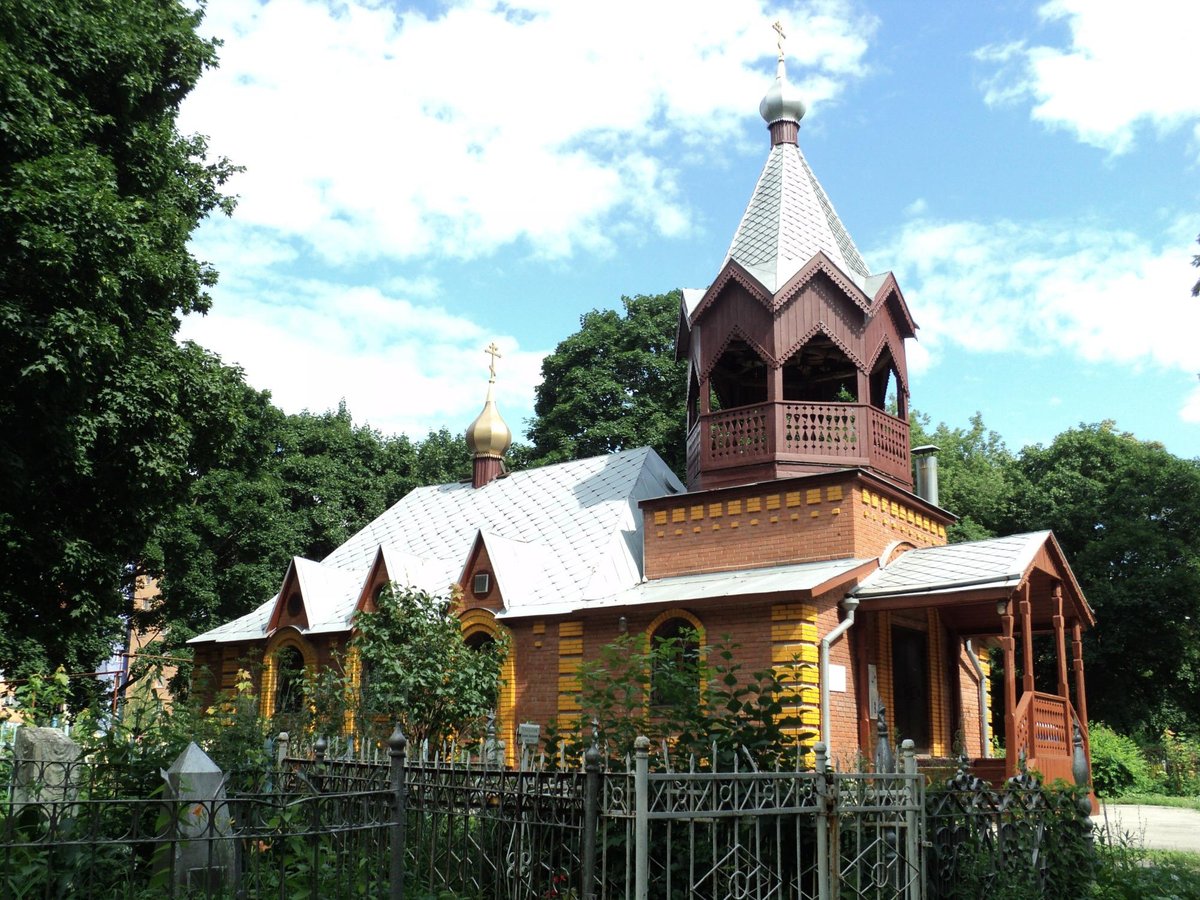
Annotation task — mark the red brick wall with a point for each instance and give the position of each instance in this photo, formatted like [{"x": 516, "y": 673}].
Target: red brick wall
[{"x": 795, "y": 520}]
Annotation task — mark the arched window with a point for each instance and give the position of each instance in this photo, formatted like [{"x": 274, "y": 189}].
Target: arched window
[
  {"x": 675, "y": 662},
  {"x": 478, "y": 640},
  {"x": 289, "y": 680},
  {"x": 739, "y": 378},
  {"x": 819, "y": 372}
]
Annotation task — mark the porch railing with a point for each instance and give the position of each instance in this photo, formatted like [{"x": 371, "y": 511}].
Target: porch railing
[
  {"x": 850, "y": 434},
  {"x": 1044, "y": 733}
]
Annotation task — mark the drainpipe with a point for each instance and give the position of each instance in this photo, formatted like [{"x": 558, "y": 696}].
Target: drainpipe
[
  {"x": 984, "y": 734},
  {"x": 850, "y": 604}
]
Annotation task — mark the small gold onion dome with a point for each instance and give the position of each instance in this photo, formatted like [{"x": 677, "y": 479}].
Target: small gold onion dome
[{"x": 488, "y": 435}]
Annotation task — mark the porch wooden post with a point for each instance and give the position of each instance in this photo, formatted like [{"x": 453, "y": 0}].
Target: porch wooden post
[
  {"x": 1008, "y": 646},
  {"x": 705, "y": 397},
  {"x": 774, "y": 384},
  {"x": 1027, "y": 639},
  {"x": 1077, "y": 666},
  {"x": 1060, "y": 639}
]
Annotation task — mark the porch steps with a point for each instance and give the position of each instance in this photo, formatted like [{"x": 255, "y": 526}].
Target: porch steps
[{"x": 990, "y": 770}]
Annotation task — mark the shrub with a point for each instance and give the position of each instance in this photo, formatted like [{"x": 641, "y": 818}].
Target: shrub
[
  {"x": 1176, "y": 763},
  {"x": 1118, "y": 766}
]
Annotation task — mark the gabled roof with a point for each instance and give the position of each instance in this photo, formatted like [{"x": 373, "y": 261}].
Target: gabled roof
[
  {"x": 577, "y": 523},
  {"x": 788, "y": 220},
  {"x": 996, "y": 562}
]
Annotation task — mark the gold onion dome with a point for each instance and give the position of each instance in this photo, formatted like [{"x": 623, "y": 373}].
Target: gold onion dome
[{"x": 488, "y": 435}]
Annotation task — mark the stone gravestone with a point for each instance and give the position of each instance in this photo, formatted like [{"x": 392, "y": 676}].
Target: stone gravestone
[
  {"x": 203, "y": 852},
  {"x": 45, "y": 766}
]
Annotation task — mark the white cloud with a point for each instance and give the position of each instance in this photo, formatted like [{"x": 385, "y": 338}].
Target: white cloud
[
  {"x": 1124, "y": 67},
  {"x": 1097, "y": 295},
  {"x": 372, "y": 133},
  {"x": 1191, "y": 407},
  {"x": 403, "y": 362}
]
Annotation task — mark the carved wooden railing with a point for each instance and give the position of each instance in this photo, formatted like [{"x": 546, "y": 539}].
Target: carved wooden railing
[
  {"x": 1043, "y": 732},
  {"x": 840, "y": 433}
]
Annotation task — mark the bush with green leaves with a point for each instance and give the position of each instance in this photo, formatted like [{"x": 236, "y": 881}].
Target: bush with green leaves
[
  {"x": 690, "y": 697},
  {"x": 419, "y": 671},
  {"x": 1118, "y": 766}
]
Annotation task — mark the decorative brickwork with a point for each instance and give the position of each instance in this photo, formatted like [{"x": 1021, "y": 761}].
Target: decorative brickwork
[
  {"x": 794, "y": 639},
  {"x": 940, "y": 730},
  {"x": 570, "y": 655},
  {"x": 797, "y": 520}
]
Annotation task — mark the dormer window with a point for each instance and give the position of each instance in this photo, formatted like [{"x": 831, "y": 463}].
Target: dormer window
[{"x": 481, "y": 584}]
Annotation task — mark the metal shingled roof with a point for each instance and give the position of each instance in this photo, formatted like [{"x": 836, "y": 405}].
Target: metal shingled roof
[
  {"x": 564, "y": 533},
  {"x": 993, "y": 562},
  {"x": 789, "y": 218}
]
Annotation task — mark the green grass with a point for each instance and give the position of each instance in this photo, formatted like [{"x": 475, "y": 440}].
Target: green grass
[
  {"x": 1155, "y": 800},
  {"x": 1127, "y": 871}
]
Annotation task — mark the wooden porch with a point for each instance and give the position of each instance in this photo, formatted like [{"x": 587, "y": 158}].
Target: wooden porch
[{"x": 1040, "y": 721}]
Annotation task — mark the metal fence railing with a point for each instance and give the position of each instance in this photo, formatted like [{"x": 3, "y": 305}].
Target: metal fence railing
[{"x": 375, "y": 824}]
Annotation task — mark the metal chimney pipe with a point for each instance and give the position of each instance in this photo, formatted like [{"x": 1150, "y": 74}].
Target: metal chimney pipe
[{"x": 926, "y": 463}]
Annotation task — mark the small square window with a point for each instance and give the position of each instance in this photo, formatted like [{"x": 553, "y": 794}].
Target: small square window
[{"x": 483, "y": 583}]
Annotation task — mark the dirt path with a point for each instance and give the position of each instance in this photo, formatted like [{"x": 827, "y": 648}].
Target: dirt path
[{"x": 1158, "y": 827}]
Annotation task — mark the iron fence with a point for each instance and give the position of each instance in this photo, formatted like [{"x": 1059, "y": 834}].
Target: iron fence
[{"x": 368, "y": 823}]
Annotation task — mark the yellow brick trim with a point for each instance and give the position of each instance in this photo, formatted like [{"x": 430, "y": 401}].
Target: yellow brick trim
[
  {"x": 570, "y": 656},
  {"x": 794, "y": 640}
]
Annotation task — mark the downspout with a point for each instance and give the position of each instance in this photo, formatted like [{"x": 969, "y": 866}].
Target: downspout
[
  {"x": 985, "y": 737},
  {"x": 850, "y": 604}
]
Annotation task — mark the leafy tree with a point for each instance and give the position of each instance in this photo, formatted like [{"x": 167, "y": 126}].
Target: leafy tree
[
  {"x": 289, "y": 485},
  {"x": 975, "y": 475},
  {"x": 634, "y": 687},
  {"x": 614, "y": 385},
  {"x": 102, "y": 415},
  {"x": 1127, "y": 513},
  {"x": 419, "y": 671}
]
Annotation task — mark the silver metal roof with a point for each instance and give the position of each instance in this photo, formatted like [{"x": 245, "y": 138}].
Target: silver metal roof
[
  {"x": 569, "y": 533},
  {"x": 996, "y": 562},
  {"x": 710, "y": 585},
  {"x": 789, "y": 218}
]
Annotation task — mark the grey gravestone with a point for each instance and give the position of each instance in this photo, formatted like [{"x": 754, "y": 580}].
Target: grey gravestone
[
  {"x": 203, "y": 853},
  {"x": 45, "y": 761}
]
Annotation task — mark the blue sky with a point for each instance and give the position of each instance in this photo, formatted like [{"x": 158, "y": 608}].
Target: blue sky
[{"x": 424, "y": 179}]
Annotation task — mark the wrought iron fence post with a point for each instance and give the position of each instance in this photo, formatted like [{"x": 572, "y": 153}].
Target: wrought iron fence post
[
  {"x": 591, "y": 768},
  {"x": 912, "y": 843},
  {"x": 822, "y": 821},
  {"x": 319, "y": 749},
  {"x": 397, "y": 744},
  {"x": 641, "y": 831}
]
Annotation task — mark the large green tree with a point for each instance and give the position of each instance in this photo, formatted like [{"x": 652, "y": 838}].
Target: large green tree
[
  {"x": 975, "y": 475},
  {"x": 103, "y": 416},
  {"x": 1127, "y": 513},
  {"x": 615, "y": 385},
  {"x": 289, "y": 485}
]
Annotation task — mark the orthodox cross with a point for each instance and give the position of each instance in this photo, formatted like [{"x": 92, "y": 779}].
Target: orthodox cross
[
  {"x": 778, "y": 26},
  {"x": 494, "y": 352}
]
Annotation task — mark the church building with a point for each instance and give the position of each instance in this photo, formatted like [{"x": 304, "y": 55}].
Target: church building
[{"x": 801, "y": 531}]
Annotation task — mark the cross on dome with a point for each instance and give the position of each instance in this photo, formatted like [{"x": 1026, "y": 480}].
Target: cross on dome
[{"x": 494, "y": 352}]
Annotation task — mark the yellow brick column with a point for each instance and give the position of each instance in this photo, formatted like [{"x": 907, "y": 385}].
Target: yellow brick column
[
  {"x": 794, "y": 657},
  {"x": 937, "y": 689},
  {"x": 570, "y": 655}
]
